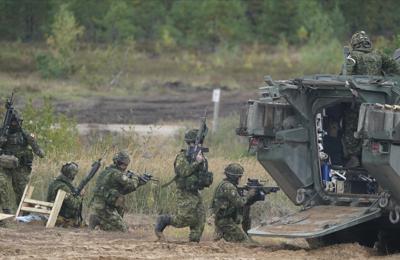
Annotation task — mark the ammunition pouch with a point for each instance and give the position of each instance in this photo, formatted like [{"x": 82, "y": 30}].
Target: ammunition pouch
[
  {"x": 26, "y": 159},
  {"x": 9, "y": 161},
  {"x": 205, "y": 179},
  {"x": 111, "y": 198}
]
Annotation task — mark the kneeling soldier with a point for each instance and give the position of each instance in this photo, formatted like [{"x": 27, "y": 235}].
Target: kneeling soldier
[
  {"x": 228, "y": 205},
  {"x": 70, "y": 213},
  {"x": 107, "y": 208}
]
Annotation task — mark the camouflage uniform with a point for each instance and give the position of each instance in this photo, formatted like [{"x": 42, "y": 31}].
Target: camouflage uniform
[
  {"x": 351, "y": 145},
  {"x": 70, "y": 213},
  {"x": 108, "y": 199},
  {"x": 228, "y": 206},
  {"x": 363, "y": 60},
  {"x": 22, "y": 145},
  {"x": 190, "y": 208},
  {"x": 6, "y": 192}
]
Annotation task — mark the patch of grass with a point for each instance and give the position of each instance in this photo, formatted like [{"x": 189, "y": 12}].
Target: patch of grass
[
  {"x": 122, "y": 69},
  {"x": 156, "y": 156}
]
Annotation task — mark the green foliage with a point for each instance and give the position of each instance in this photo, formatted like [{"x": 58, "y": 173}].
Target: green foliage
[
  {"x": 118, "y": 22},
  {"x": 202, "y": 24},
  {"x": 58, "y": 62},
  {"x": 53, "y": 132},
  {"x": 322, "y": 59},
  {"x": 209, "y": 23},
  {"x": 278, "y": 19}
]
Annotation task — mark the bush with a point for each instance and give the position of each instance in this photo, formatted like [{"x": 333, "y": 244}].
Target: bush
[
  {"x": 59, "y": 61},
  {"x": 54, "y": 133}
]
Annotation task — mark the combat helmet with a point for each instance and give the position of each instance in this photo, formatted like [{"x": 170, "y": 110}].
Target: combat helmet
[
  {"x": 190, "y": 136},
  {"x": 122, "y": 157},
  {"x": 70, "y": 169},
  {"x": 361, "y": 42},
  {"x": 234, "y": 172}
]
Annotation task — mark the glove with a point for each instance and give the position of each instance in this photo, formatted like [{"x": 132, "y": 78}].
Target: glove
[
  {"x": 199, "y": 157},
  {"x": 145, "y": 178}
]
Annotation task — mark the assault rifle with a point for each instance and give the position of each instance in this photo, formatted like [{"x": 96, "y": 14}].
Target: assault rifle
[
  {"x": 192, "y": 152},
  {"x": 144, "y": 178},
  {"x": 95, "y": 167},
  {"x": 261, "y": 190},
  {"x": 9, "y": 114}
]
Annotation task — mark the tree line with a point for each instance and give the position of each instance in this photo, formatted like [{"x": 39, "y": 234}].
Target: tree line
[{"x": 202, "y": 23}]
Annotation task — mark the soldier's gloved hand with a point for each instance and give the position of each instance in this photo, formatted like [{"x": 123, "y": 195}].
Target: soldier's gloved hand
[
  {"x": 199, "y": 157},
  {"x": 83, "y": 191},
  {"x": 144, "y": 179},
  {"x": 40, "y": 153}
]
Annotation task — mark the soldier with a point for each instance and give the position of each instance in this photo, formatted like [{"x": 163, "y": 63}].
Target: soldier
[
  {"x": 107, "y": 208},
  {"x": 6, "y": 191},
  {"x": 190, "y": 177},
  {"x": 22, "y": 145},
  {"x": 71, "y": 210},
  {"x": 363, "y": 60},
  {"x": 228, "y": 206}
]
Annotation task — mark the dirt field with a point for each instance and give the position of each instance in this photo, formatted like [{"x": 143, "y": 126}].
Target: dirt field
[
  {"x": 171, "y": 106},
  {"x": 24, "y": 241}
]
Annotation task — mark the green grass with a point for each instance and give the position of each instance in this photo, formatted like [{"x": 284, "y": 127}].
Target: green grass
[{"x": 123, "y": 70}]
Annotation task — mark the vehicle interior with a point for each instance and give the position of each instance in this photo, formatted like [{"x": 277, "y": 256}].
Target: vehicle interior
[{"x": 341, "y": 168}]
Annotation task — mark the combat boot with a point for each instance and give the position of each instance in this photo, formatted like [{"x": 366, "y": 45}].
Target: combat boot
[{"x": 162, "y": 222}]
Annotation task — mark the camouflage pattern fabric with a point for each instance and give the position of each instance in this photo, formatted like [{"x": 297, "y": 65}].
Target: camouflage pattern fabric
[
  {"x": 108, "y": 199},
  {"x": 6, "y": 192},
  {"x": 22, "y": 145},
  {"x": 70, "y": 213},
  {"x": 187, "y": 173},
  {"x": 351, "y": 145},
  {"x": 371, "y": 63},
  {"x": 227, "y": 205},
  {"x": 190, "y": 213},
  {"x": 190, "y": 209}
]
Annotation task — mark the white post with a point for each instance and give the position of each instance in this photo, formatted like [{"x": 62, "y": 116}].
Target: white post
[{"x": 216, "y": 98}]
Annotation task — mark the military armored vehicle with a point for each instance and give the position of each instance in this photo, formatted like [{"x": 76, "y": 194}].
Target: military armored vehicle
[{"x": 347, "y": 186}]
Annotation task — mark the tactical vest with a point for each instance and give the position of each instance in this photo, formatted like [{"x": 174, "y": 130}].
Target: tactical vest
[
  {"x": 367, "y": 63},
  {"x": 59, "y": 182},
  {"x": 105, "y": 189},
  {"x": 221, "y": 207},
  {"x": 17, "y": 145},
  {"x": 198, "y": 180}
]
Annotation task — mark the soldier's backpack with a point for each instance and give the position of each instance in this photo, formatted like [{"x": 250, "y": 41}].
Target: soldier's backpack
[
  {"x": 8, "y": 161},
  {"x": 205, "y": 179}
]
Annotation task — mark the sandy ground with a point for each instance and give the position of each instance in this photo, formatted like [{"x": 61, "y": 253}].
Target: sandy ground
[{"x": 26, "y": 241}]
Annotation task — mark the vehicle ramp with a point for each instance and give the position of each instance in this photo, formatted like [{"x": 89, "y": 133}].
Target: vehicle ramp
[{"x": 316, "y": 222}]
